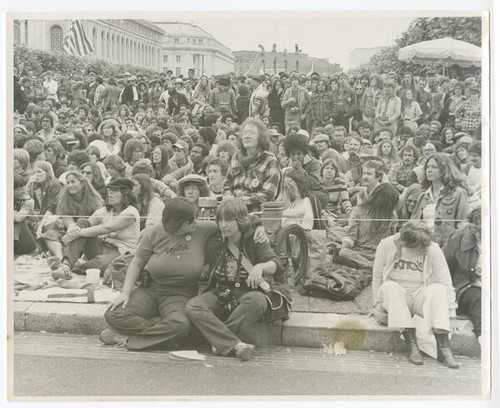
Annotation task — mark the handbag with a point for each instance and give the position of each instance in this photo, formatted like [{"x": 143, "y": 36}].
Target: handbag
[{"x": 278, "y": 295}]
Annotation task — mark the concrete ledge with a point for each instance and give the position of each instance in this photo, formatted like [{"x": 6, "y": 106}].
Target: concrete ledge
[
  {"x": 361, "y": 333},
  {"x": 304, "y": 329},
  {"x": 65, "y": 318}
]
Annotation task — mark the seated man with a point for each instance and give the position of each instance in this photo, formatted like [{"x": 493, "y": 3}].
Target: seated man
[
  {"x": 410, "y": 276},
  {"x": 462, "y": 251}
]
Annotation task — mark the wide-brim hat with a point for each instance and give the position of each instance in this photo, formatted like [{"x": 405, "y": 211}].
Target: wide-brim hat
[{"x": 120, "y": 183}]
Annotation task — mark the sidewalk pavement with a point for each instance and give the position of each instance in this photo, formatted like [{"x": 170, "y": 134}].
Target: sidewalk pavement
[{"x": 314, "y": 323}]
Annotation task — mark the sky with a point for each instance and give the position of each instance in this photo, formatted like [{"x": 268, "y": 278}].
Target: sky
[{"x": 332, "y": 38}]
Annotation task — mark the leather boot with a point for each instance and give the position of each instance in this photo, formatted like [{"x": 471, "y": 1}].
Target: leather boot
[
  {"x": 415, "y": 356},
  {"x": 444, "y": 354}
]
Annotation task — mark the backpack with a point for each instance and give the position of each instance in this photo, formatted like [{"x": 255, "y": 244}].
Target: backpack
[{"x": 339, "y": 283}]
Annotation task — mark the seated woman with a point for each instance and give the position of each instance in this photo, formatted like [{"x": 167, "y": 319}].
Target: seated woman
[
  {"x": 297, "y": 206},
  {"x": 44, "y": 189},
  {"x": 407, "y": 202},
  {"x": 233, "y": 302},
  {"x": 159, "y": 159},
  {"x": 94, "y": 176},
  {"x": 254, "y": 173},
  {"x": 132, "y": 152},
  {"x": 411, "y": 277},
  {"x": 24, "y": 241},
  {"x": 149, "y": 206},
  {"x": 388, "y": 153},
  {"x": 110, "y": 231},
  {"x": 369, "y": 222},
  {"x": 297, "y": 151},
  {"x": 162, "y": 191},
  {"x": 174, "y": 254},
  {"x": 444, "y": 201},
  {"x": 336, "y": 187},
  {"x": 78, "y": 201}
]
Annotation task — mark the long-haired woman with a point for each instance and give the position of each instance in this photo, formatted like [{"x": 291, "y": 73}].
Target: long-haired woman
[
  {"x": 254, "y": 172},
  {"x": 370, "y": 222},
  {"x": 444, "y": 202},
  {"x": 78, "y": 200},
  {"x": 109, "y": 232},
  {"x": 388, "y": 152},
  {"x": 110, "y": 131},
  {"x": 93, "y": 173},
  {"x": 44, "y": 189},
  {"x": 160, "y": 160},
  {"x": 149, "y": 206}
]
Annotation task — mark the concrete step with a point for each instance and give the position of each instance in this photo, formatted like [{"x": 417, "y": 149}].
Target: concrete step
[{"x": 304, "y": 329}]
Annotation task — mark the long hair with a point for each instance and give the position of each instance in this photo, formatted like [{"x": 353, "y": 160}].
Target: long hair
[
  {"x": 116, "y": 130},
  {"x": 162, "y": 168},
  {"x": 233, "y": 209},
  {"x": 263, "y": 137},
  {"x": 130, "y": 147},
  {"x": 451, "y": 175},
  {"x": 97, "y": 178},
  {"x": 79, "y": 206},
  {"x": 380, "y": 205},
  {"x": 394, "y": 151},
  {"x": 47, "y": 168},
  {"x": 147, "y": 193}
]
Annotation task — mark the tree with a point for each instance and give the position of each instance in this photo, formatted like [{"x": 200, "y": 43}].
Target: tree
[{"x": 424, "y": 29}]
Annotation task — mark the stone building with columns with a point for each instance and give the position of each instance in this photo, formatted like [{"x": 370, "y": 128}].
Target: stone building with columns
[
  {"x": 135, "y": 42},
  {"x": 186, "y": 46}
]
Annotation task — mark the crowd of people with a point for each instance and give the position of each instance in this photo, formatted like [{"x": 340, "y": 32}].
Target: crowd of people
[{"x": 122, "y": 167}]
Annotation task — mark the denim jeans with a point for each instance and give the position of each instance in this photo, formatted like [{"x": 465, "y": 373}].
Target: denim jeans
[
  {"x": 207, "y": 314},
  {"x": 98, "y": 253},
  {"x": 153, "y": 316}
]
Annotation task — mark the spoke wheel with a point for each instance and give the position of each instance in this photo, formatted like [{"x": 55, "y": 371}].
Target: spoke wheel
[{"x": 292, "y": 248}]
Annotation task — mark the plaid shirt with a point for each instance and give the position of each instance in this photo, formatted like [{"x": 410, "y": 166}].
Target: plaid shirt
[
  {"x": 256, "y": 184},
  {"x": 322, "y": 105},
  {"x": 469, "y": 117}
]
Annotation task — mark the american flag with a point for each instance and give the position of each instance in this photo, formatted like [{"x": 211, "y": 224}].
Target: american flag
[{"x": 76, "y": 42}]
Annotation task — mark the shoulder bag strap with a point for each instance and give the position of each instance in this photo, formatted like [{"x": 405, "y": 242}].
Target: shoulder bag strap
[{"x": 247, "y": 265}]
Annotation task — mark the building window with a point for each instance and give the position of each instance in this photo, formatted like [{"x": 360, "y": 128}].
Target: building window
[
  {"x": 200, "y": 40},
  {"x": 189, "y": 39},
  {"x": 56, "y": 38},
  {"x": 177, "y": 58},
  {"x": 177, "y": 71},
  {"x": 176, "y": 41},
  {"x": 165, "y": 58}
]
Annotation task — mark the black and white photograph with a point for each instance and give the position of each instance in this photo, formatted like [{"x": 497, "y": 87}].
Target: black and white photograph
[{"x": 260, "y": 204}]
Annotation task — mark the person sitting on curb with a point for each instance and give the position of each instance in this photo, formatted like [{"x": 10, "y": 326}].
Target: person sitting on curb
[
  {"x": 411, "y": 277},
  {"x": 462, "y": 251}
]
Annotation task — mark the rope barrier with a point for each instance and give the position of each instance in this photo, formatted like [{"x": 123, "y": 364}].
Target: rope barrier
[{"x": 265, "y": 218}]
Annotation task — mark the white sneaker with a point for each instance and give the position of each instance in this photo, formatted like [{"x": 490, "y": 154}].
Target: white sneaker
[{"x": 244, "y": 351}]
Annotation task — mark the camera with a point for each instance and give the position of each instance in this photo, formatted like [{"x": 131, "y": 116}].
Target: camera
[{"x": 226, "y": 298}]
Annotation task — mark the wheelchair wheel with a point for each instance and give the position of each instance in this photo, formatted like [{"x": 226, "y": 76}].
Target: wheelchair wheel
[{"x": 291, "y": 247}]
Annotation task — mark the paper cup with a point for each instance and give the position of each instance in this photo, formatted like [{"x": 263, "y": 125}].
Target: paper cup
[{"x": 93, "y": 276}]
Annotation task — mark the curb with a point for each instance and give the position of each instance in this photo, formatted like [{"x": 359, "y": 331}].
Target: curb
[{"x": 304, "y": 329}]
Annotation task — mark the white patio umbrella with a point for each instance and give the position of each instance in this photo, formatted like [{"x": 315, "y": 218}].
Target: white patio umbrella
[{"x": 446, "y": 51}]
